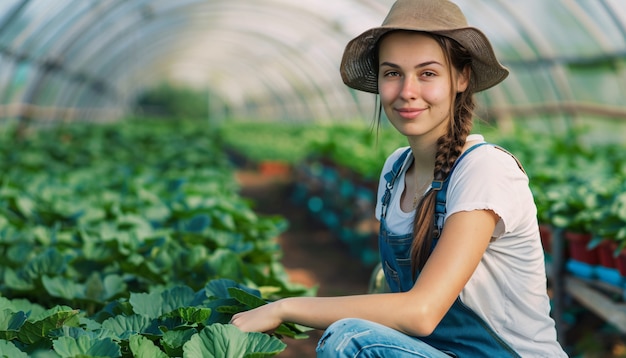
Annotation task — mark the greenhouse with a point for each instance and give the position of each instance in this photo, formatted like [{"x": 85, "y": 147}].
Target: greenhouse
[{"x": 160, "y": 158}]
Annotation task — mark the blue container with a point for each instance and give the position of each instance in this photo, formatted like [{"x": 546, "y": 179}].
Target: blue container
[
  {"x": 580, "y": 269},
  {"x": 609, "y": 275}
]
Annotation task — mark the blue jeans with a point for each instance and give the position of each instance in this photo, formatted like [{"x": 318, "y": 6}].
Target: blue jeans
[{"x": 352, "y": 337}]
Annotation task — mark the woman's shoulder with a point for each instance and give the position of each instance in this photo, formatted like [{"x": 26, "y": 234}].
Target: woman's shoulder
[
  {"x": 494, "y": 154},
  {"x": 485, "y": 150},
  {"x": 490, "y": 159}
]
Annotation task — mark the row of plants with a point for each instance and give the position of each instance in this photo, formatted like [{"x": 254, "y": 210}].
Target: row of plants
[{"x": 130, "y": 240}]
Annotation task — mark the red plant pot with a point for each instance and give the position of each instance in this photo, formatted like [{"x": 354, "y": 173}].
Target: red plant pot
[
  {"x": 577, "y": 247},
  {"x": 274, "y": 168},
  {"x": 605, "y": 254}
]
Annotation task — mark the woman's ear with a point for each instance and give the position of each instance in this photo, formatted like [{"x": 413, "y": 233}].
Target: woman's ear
[{"x": 462, "y": 81}]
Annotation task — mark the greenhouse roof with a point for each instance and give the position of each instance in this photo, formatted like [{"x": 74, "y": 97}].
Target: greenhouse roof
[{"x": 279, "y": 59}]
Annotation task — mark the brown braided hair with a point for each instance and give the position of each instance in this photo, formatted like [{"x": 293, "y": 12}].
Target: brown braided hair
[{"x": 449, "y": 147}]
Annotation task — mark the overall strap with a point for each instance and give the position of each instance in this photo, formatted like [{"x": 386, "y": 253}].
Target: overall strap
[
  {"x": 391, "y": 177},
  {"x": 441, "y": 186}
]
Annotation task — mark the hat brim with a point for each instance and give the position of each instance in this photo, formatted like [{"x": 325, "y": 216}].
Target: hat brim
[{"x": 359, "y": 71}]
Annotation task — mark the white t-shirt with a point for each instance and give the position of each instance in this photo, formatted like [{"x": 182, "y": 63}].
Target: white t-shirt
[{"x": 508, "y": 288}]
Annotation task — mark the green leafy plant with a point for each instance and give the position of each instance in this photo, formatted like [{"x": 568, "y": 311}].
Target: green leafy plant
[
  {"x": 162, "y": 323},
  {"x": 117, "y": 229}
]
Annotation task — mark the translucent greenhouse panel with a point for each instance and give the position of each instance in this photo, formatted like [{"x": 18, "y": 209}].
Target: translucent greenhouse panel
[
  {"x": 11, "y": 28},
  {"x": 51, "y": 91},
  {"x": 20, "y": 75},
  {"x": 6, "y": 64},
  {"x": 28, "y": 30},
  {"x": 508, "y": 36},
  {"x": 117, "y": 27},
  {"x": 609, "y": 17},
  {"x": 617, "y": 8},
  {"x": 287, "y": 52},
  {"x": 532, "y": 87},
  {"x": 596, "y": 82},
  {"x": 6, "y": 9},
  {"x": 569, "y": 29},
  {"x": 57, "y": 34},
  {"x": 620, "y": 75}
]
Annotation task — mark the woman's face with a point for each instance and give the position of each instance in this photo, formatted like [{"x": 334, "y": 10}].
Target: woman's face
[{"x": 414, "y": 84}]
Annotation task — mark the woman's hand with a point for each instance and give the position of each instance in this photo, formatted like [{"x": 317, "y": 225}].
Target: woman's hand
[{"x": 262, "y": 319}]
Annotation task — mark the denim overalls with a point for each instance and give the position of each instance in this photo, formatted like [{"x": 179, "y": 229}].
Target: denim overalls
[{"x": 461, "y": 332}]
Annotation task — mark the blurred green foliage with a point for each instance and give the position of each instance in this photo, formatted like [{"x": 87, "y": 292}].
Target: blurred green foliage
[{"x": 169, "y": 100}]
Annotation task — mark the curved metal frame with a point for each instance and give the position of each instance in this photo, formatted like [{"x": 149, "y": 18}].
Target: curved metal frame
[{"x": 279, "y": 59}]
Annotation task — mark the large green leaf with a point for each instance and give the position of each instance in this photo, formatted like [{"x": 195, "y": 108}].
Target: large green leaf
[
  {"x": 25, "y": 205},
  {"x": 10, "y": 323},
  {"x": 173, "y": 341},
  {"x": 9, "y": 350},
  {"x": 17, "y": 282},
  {"x": 226, "y": 264},
  {"x": 193, "y": 256},
  {"x": 252, "y": 301},
  {"x": 226, "y": 220},
  {"x": 191, "y": 314},
  {"x": 157, "y": 303},
  {"x": 32, "y": 332},
  {"x": 227, "y": 341},
  {"x": 22, "y": 251},
  {"x": 142, "y": 347},
  {"x": 245, "y": 297},
  {"x": 219, "y": 288},
  {"x": 10, "y": 320},
  {"x": 23, "y": 305},
  {"x": 292, "y": 330},
  {"x": 125, "y": 326},
  {"x": 198, "y": 223},
  {"x": 94, "y": 289},
  {"x": 49, "y": 262},
  {"x": 113, "y": 285},
  {"x": 93, "y": 331},
  {"x": 86, "y": 346},
  {"x": 63, "y": 287}
]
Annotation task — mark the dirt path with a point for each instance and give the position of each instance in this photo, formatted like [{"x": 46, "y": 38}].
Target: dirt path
[{"x": 312, "y": 255}]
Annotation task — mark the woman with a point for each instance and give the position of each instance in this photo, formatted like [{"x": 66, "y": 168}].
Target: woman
[{"x": 459, "y": 238}]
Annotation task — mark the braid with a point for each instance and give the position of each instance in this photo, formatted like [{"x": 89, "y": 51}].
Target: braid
[{"x": 449, "y": 148}]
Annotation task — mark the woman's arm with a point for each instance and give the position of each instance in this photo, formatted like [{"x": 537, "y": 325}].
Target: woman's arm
[{"x": 417, "y": 312}]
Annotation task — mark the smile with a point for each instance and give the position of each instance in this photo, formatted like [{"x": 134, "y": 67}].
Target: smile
[{"x": 409, "y": 113}]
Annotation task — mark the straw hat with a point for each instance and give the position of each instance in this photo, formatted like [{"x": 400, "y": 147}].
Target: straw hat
[{"x": 441, "y": 17}]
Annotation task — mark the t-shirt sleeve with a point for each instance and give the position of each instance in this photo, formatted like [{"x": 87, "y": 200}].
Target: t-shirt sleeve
[{"x": 490, "y": 179}]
